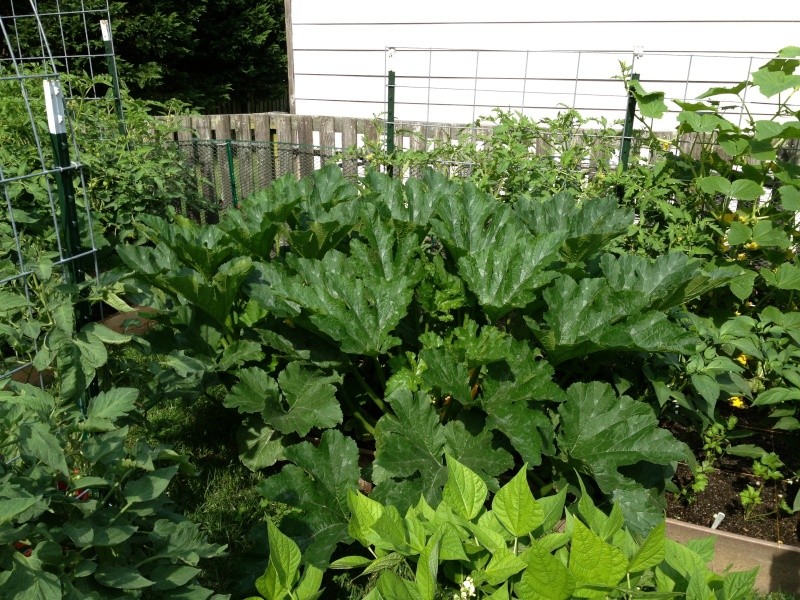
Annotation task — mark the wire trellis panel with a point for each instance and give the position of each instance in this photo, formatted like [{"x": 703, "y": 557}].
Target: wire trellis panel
[
  {"x": 46, "y": 232},
  {"x": 434, "y": 84}
]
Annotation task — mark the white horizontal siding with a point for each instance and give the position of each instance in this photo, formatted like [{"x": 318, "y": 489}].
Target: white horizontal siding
[
  {"x": 480, "y": 11},
  {"x": 499, "y": 57}
]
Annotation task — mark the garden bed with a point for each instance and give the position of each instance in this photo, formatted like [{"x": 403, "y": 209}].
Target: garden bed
[
  {"x": 733, "y": 474},
  {"x": 722, "y": 495}
]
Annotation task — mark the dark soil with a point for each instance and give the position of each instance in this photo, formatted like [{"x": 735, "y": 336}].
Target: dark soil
[{"x": 732, "y": 475}]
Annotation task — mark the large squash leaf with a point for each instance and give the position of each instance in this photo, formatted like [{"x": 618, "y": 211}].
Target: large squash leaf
[
  {"x": 468, "y": 219},
  {"x": 318, "y": 484},
  {"x": 505, "y": 271},
  {"x": 588, "y": 224},
  {"x": 588, "y": 316},
  {"x": 601, "y": 433},
  {"x": 410, "y": 452},
  {"x": 356, "y": 309}
]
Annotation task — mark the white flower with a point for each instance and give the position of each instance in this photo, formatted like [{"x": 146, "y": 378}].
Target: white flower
[{"x": 467, "y": 589}]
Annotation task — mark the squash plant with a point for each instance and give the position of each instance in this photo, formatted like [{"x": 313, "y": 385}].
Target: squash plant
[{"x": 423, "y": 318}]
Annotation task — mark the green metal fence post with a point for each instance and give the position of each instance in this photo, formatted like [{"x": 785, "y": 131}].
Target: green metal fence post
[
  {"x": 390, "y": 123},
  {"x": 231, "y": 174},
  {"x": 627, "y": 130},
  {"x": 68, "y": 214},
  {"x": 108, "y": 44},
  {"x": 74, "y": 271}
]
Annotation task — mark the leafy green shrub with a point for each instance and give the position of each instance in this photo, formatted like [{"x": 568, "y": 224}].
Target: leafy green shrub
[
  {"x": 126, "y": 171},
  {"x": 510, "y": 547},
  {"x": 423, "y": 319},
  {"x": 517, "y": 156},
  {"x": 133, "y": 171},
  {"x": 83, "y": 510}
]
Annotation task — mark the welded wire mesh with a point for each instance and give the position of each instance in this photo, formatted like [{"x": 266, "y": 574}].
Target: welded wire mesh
[
  {"x": 435, "y": 84},
  {"x": 65, "y": 34},
  {"x": 35, "y": 250}
]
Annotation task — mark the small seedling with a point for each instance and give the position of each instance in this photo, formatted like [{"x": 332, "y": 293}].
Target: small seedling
[
  {"x": 699, "y": 482},
  {"x": 750, "y": 497},
  {"x": 768, "y": 466},
  {"x": 715, "y": 437}
]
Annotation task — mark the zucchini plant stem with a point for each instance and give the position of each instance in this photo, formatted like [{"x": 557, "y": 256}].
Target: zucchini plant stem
[
  {"x": 370, "y": 392},
  {"x": 379, "y": 372},
  {"x": 358, "y": 415}
]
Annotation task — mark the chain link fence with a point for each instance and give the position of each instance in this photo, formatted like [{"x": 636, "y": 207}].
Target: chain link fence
[{"x": 228, "y": 171}]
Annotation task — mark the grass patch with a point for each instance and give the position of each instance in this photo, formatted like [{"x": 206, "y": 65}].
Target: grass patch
[{"x": 221, "y": 494}]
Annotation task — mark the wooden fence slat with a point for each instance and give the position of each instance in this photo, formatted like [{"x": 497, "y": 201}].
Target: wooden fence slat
[
  {"x": 327, "y": 139},
  {"x": 244, "y": 155},
  {"x": 371, "y": 130},
  {"x": 305, "y": 141},
  {"x": 349, "y": 141},
  {"x": 283, "y": 144},
  {"x": 263, "y": 158}
]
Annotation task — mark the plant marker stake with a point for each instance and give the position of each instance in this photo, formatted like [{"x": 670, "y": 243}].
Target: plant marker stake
[
  {"x": 57, "y": 125},
  {"x": 717, "y": 520},
  {"x": 390, "y": 113},
  {"x": 105, "y": 30}
]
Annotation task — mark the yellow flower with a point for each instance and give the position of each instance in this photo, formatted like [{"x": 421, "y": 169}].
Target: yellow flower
[
  {"x": 741, "y": 256},
  {"x": 736, "y": 402},
  {"x": 751, "y": 245},
  {"x": 742, "y": 359},
  {"x": 728, "y": 217}
]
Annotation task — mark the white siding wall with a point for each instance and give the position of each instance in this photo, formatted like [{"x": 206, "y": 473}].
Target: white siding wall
[{"x": 524, "y": 53}]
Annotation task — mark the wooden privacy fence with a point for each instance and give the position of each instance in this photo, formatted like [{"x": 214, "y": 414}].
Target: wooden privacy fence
[
  {"x": 328, "y": 132},
  {"x": 236, "y": 155}
]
